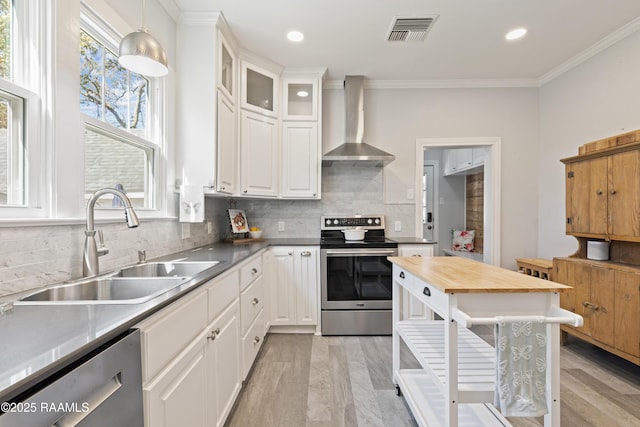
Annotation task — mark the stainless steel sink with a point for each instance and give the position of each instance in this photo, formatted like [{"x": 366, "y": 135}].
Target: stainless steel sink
[
  {"x": 110, "y": 290},
  {"x": 166, "y": 269}
]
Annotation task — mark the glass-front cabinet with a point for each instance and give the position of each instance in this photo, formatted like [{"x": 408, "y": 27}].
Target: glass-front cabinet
[
  {"x": 226, "y": 68},
  {"x": 300, "y": 99},
  {"x": 259, "y": 90}
]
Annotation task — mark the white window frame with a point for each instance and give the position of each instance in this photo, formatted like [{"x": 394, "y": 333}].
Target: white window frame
[
  {"x": 27, "y": 83},
  {"x": 97, "y": 27}
]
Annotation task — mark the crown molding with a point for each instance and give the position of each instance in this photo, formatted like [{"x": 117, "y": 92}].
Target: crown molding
[
  {"x": 438, "y": 84},
  {"x": 199, "y": 18},
  {"x": 590, "y": 52},
  {"x": 172, "y": 9}
]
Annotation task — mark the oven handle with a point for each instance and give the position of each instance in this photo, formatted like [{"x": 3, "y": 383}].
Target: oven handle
[{"x": 360, "y": 252}]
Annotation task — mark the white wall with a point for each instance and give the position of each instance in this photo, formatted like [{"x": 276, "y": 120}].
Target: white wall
[
  {"x": 395, "y": 118},
  {"x": 597, "y": 99}
]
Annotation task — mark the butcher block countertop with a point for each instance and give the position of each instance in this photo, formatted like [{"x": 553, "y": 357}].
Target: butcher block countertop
[{"x": 460, "y": 275}]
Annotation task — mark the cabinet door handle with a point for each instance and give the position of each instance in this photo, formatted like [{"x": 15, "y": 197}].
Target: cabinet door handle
[
  {"x": 212, "y": 336},
  {"x": 256, "y": 340},
  {"x": 305, "y": 253},
  {"x": 402, "y": 274},
  {"x": 613, "y": 192},
  {"x": 589, "y": 305},
  {"x": 255, "y": 301},
  {"x": 245, "y": 191},
  {"x": 599, "y": 192},
  {"x": 254, "y": 271},
  {"x": 289, "y": 253}
]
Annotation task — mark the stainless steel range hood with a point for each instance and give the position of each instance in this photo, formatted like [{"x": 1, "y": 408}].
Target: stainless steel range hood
[{"x": 354, "y": 149}]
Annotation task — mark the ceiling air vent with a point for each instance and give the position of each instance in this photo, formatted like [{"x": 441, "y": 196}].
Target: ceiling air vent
[{"x": 410, "y": 29}]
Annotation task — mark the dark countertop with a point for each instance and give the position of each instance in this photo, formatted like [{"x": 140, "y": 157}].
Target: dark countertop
[{"x": 37, "y": 340}]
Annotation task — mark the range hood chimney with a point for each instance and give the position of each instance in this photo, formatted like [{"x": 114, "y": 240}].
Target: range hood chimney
[{"x": 354, "y": 149}]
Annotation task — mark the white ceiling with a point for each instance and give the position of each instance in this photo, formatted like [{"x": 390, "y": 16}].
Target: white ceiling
[{"x": 466, "y": 43}]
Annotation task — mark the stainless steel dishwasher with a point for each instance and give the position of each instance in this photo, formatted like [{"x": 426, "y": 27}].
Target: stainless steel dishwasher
[{"x": 103, "y": 388}]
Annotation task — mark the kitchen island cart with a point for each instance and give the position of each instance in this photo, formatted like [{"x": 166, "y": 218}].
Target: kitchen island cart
[{"x": 456, "y": 384}]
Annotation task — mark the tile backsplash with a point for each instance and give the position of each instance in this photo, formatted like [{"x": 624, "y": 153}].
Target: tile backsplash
[{"x": 35, "y": 256}]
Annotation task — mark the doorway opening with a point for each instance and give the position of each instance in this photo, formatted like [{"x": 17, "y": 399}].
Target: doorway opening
[{"x": 439, "y": 210}]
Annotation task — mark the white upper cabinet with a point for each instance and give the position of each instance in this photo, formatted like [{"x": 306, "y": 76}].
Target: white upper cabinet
[
  {"x": 259, "y": 89},
  {"x": 226, "y": 68},
  {"x": 463, "y": 161},
  {"x": 300, "y": 99},
  {"x": 259, "y": 155},
  {"x": 227, "y": 143},
  {"x": 300, "y": 160}
]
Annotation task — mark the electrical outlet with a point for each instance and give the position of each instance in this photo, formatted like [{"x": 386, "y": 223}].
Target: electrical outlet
[
  {"x": 186, "y": 231},
  {"x": 398, "y": 226},
  {"x": 410, "y": 194},
  {"x": 280, "y": 225},
  {"x": 209, "y": 227}
]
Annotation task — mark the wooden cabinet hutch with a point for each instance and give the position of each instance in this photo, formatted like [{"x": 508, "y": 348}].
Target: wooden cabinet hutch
[{"x": 603, "y": 203}]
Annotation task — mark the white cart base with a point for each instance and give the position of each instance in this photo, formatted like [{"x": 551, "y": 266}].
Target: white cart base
[{"x": 426, "y": 402}]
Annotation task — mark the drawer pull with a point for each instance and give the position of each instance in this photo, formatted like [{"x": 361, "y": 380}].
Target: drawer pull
[
  {"x": 402, "y": 274},
  {"x": 426, "y": 291},
  {"x": 256, "y": 340},
  {"x": 254, "y": 270},
  {"x": 416, "y": 255},
  {"x": 305, "y": 253},
  {"x": 255, "y": 301}
]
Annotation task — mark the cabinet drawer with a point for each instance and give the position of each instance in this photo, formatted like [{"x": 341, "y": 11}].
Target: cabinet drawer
[
  {"x": 221, "y": 292},
  {"x": 251, "y": 303},
  {"x": 403, "y": 277},
  {"x": 168, "y": 332},
  {"x": 251, "y": 343},
  {"x": 435, "y": 299},
  {"x": 250, "y": 271}
]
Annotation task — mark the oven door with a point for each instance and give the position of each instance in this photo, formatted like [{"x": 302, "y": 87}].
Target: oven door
[{"x": 357, "y": 279}]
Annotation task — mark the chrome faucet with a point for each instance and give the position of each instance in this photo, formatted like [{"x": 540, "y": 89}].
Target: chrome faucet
[{"x": 90, "y": 265}]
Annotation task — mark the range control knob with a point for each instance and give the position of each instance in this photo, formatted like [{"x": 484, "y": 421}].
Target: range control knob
[
  {"x": 336, "y": 222},
  {"x": 369, "y": 221},
  {"x": 377, "y": 221},
  {"x": 328, "y": 222}
]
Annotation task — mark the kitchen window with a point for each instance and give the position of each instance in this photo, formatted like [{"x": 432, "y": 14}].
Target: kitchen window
[
  {"x": 19, "y": 106},
  {"x": 117, "y": 105}
]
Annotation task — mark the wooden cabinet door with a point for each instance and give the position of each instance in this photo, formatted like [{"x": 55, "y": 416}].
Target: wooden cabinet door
[
  {"x": 564, "y": 272},
  {"x": 223, "y": 358},
  {"x": 586, "y": 203},
  {"x": 282, "y": 289},
  {"x": 227, "y": 146},
  {"x": 600, "y": 306},
  {"x": 306, "y": 278},
  {"x": 178, "y": 396},
  {"x": 259, "y": 155},
  {"x": 300, "y": 160},
  {"x": 627, "y": 307},
  {"x": 624, "y": 195}
]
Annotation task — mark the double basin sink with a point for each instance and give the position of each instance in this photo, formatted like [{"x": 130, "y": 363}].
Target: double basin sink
[{"x": 130, "y": 285}]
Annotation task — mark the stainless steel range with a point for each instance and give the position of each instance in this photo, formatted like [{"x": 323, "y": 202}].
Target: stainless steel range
[{"x": 356, "y": 276}]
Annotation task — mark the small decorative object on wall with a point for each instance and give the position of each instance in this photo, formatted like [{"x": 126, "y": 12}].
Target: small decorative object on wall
[{"x": 238, "y": 221}]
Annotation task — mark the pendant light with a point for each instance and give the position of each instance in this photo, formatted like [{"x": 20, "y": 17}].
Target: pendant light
[{"x": 142, "y": 54}]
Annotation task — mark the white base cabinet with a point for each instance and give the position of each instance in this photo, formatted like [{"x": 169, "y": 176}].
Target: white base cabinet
[
  {"x": 191, "y": 357},
  {"x": 294, "y": 277}
]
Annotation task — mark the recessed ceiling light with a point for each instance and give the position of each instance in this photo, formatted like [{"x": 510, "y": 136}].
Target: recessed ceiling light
[
  {"x": 516, "y": 34},
  {"x": 295, "y": 36},
  {"x": 303, "y": 93}
]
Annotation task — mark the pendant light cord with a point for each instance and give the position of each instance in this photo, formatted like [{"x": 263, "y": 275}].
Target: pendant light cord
[{"x": 144, "y": 9}]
